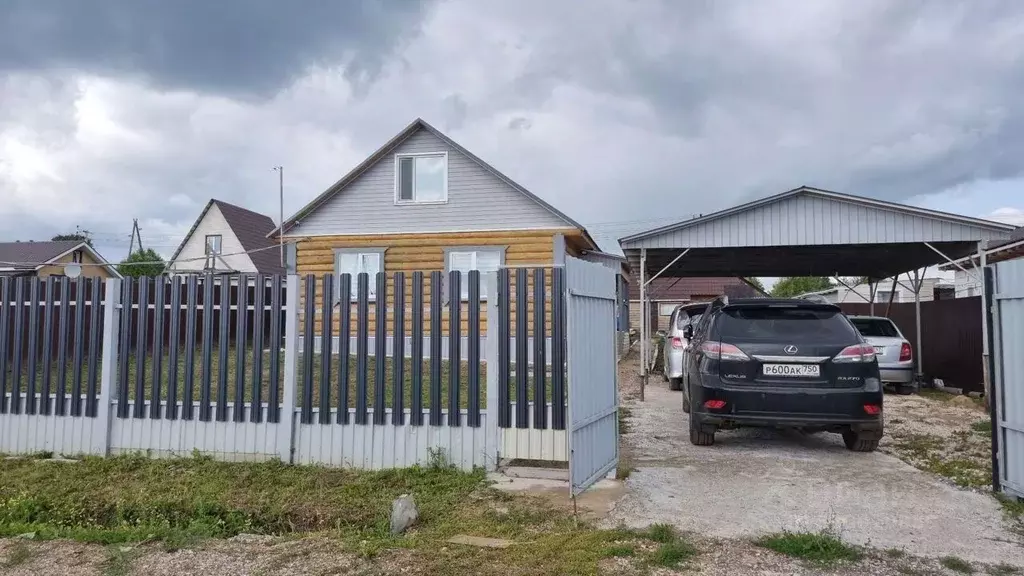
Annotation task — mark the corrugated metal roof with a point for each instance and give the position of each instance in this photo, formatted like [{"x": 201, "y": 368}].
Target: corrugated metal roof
[{"x": 810, "y": 216}]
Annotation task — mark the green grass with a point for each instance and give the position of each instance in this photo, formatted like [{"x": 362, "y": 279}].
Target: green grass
[
  {"x": 619, "y": 551},
  {"x": 1003, "y": 570},
  {"x": 927, "y": 453},
  {"x": 672, "y": 554},
  {"x": 232, "y": 370},
  {"x": 662, "y": 533},
  {"x": 820, "y": 547},
  {"x": 956, "y": 564},
  {"x": 982, "y": 427}
]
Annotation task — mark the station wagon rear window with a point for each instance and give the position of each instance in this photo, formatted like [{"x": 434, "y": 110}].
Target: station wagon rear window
[{"x": 876, "y": 327}]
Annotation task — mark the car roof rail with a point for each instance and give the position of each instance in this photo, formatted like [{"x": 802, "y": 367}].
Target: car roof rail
[
  {"x": 817, "y": 298},
  {"x": 720, "y": 302}
]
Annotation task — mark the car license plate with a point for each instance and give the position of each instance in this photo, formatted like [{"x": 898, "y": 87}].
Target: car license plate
[{"x": 792, "y": 370}]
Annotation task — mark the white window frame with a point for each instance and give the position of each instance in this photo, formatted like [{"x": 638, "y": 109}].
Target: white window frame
[
  {"x": 897, "y": 296},
  {"x": 353, "y": 289},
  {"x": 475, "y": 250},
  {"x": 398, "y": 163},
  {"x": 206, "y": 245}
]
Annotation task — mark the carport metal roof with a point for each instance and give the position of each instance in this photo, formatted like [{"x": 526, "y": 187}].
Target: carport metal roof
[{"x": 811, "y": 232}]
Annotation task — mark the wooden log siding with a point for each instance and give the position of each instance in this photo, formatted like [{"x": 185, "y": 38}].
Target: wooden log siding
[{"x": 425, "y": 253}]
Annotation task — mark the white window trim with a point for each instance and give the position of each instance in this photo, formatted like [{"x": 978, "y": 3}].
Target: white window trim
[
  {"x": 398, "y": 158},
  {"x": 206, "y": 244},
  {"x": 355, "y": 278},
  {"x": 501, "y": 250}
]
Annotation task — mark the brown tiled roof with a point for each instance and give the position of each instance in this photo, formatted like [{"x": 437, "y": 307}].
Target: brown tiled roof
[
  {"x": 692, "y": 288},
  {"x": 21, "y": 254}
]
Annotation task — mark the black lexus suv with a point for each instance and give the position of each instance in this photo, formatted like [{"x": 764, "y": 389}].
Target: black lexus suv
[{"x": 781, "y": 363}]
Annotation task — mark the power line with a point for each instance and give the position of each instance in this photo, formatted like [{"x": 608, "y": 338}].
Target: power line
[{"x": 196, "y": 259}]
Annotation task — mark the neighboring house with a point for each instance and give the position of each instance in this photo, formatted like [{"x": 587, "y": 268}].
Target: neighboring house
[
  {"x": 968, "y": 280},
  {"x": 424, "y": 203},
  {"x": 42, "y": 259},
  {"x": 931, "y": 289},
  {"x": 667, "y": 293},
  {"x": 227, "y": 239}
]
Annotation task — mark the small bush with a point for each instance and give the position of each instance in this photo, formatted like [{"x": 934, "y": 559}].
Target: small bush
[
  {"x": 822, "y": 547},
  {"x": 957, "y": 564},
  {"x": 671, "y": 554},
  {"x": 661, "y": 533}
]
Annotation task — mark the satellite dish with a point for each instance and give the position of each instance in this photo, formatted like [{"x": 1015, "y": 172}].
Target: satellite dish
[{"x": 73, "y": 270}]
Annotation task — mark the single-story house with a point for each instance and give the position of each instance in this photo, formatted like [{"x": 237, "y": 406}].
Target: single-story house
[
  {"x": 227, "y": 239},
  {"x": 931, "y": 289},
  {"x": 44, "y": 259},
  {"x": 422, "y": 202},
  {"x": 667, "y": 293}
]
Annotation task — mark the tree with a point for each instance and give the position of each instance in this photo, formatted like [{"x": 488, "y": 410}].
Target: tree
[
  {"x": 142, "y": 263},
  {"x": 76, "y": 236},
  {"x": 796, "y": 285}
]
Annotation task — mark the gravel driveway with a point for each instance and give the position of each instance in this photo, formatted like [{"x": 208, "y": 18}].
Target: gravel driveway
[{"x": 753, "y": 482}]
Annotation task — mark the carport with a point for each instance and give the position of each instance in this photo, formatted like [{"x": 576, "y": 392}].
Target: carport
[{"x": 808, "y": 232}]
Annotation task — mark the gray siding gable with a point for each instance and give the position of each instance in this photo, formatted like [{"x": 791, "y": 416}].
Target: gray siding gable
[
  {"x": 809, "y": 218},
  {"x": 478, "y": 200}
]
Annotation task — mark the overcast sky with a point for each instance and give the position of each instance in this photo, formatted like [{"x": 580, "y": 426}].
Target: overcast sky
[{"x": 625, "y": 114}]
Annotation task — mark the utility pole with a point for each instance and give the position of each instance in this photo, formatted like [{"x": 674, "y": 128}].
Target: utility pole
[
  {"x": 280, "y": 230},
  {"x": 136, "y": 233}
]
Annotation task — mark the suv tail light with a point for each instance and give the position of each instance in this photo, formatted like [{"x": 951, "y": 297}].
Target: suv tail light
[
  {"x": 677, "y": 342},
  {"x": 905, "y": 353},
  {"x": 723, "y": 351},
  {"x": 856, "y": 353}
]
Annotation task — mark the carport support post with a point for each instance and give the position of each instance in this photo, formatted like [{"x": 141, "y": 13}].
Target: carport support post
[
  {"x": 918, "y": 282},
  {"x": 985, "y": 373},
  {"x": 643, "y": 322}
]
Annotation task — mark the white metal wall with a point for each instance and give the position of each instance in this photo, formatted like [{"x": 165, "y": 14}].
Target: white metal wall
[
  {"x": 542, "y": 444},
  {"x": 61, "y": 435},
  {"x": 1007, "y": 309},
  {"x": 593, "y": 375}
]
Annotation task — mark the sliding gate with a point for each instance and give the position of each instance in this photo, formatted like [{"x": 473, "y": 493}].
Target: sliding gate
[{"x": 593, "y": 376}]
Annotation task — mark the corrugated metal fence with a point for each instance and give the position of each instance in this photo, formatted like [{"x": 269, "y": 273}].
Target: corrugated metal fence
[
  {"x": 312, "y": 369},
  {"x": 951, "y": 337},
  {"x": 1005, "y": 286}
]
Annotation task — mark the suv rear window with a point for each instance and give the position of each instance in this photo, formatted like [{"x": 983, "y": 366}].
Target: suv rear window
[
  {"x": 768, "y": 324},
  {"x": 876, "y": 327}
]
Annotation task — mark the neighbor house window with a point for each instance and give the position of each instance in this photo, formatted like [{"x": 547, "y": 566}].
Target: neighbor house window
[
  {"x": 213, "y": 244},
  {"x": 357, "y": 261},
  {"x": 421, "y": 178},
  {"x": 481, "y": 259},
  {"x": 883, "y": 296}
]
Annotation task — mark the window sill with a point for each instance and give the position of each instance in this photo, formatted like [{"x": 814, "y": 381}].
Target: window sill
[{"x": 419, "y": 202}]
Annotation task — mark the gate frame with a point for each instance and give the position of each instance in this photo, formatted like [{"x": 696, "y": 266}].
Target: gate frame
[{"x": 574, "y": 427}]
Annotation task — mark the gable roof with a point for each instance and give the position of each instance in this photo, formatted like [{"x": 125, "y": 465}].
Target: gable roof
[
  {"x": 388, "y": 147},
  {"x": 251, "y": 229},
  {"x": 826, "y": 194},
  {"x": 34, "y": 255}
]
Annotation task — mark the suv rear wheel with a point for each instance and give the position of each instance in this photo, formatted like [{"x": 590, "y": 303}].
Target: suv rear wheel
[
  {"x": 675, "y": 383},
  {"x": 859, "y": 442},
  {"x": 698, "y": 436}
]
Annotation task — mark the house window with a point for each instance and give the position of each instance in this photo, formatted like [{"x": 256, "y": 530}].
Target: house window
[
  {"x": 213, "y": 244},
  {"x": 883, "y": 296},
  {"x": 481, "y": 259},
  {"x": 357, "y": 261},
  {"x": 421, "y": 178},
  {"x": 76, "y": 256}
]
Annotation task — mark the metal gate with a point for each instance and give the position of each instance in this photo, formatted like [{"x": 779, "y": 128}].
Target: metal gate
[
  {"x": 593, "y": 378},
  {"x": 1005, "y": 290}
]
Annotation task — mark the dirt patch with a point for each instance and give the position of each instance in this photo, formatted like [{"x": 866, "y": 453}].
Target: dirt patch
[{"x": 943, "y": 434}]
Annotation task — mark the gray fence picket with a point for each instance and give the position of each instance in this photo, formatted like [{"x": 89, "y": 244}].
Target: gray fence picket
[
  {"x": 504, "y": 344},
  {"x": 92, "y": 383},
  {"x": 454, "y": 346},
  {"x": 344, "y": 333},
  {"x": 19, "y": 337},
  {"x": 326, "y": 345},
  {"x": 33, "y": 344},
  {"x": 191, "y": 319},
  {"x": 78, "y": 361},
  {"x": 362, "y": 344},
  {"x": 558, "y": 319},
  {"x": 241, "y": 341},
  {"x": 48, "y": 300},
  {"x": 473, "y": 349},
  {"x": 522, "y": 349},
  {"x": 223, "y": 350},
  {"x": 206, "y": 385},
  {"x": 540, "y": 392},
  {"x": 398, "y": 354},
  {"x": 60, "y": 386},
  {"x": 259, "y": 313},
  {"x": 436, "y": 281},
  {"x": 173, "y": 344},
  {"x": 157, "y": 356},
  {"x": 274, "y": 399},
  {"x": 5, "y": 321},
  {"x": 141, "y": 344},
  {"x": 380, "y": 341},
  {"x": 308, "y": 319},
  {"x": 416, "y": 362},
  {"x": 124, "y": 347}
]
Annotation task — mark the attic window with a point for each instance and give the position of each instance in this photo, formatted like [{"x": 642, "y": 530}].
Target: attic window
[
  {"x": 213, "y": 244},
  {"x": 421, "y": 178}
]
